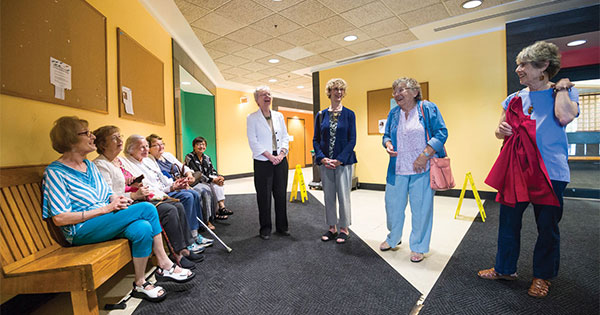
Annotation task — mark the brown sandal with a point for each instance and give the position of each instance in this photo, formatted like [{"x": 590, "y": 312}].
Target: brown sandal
[
  {"x": 491, "y": 274},
  {"x": 539, "y": 288}
]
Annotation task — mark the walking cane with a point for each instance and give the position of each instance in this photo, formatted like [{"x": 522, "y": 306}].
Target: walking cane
[{"x": 215, "y": 235}]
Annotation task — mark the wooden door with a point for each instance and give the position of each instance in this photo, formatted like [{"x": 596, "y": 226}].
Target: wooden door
[{"x": 297, "y": 153}]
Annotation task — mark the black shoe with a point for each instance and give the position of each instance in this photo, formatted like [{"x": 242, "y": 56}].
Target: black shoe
[
  {"x": 283, "y": 233},
  {"x": 264, "y": 237},
  {"x": 195, "y": 257},
  {"x": 183, "y": 262}
]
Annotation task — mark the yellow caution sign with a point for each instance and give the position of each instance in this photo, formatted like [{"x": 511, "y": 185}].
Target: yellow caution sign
[
  {"x": 469, "y": 177},
  {"x": 298, "y": 181}
]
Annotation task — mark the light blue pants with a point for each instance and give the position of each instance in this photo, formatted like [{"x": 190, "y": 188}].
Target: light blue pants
[
  {"x": 415, "y": 188},
  {"x": 138, "y": 223}
]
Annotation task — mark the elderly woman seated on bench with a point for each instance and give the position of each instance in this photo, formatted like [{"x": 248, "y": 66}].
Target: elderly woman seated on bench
[{"x": 83, "y": 206}]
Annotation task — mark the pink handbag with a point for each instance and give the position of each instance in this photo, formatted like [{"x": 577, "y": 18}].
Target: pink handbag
[{"x": 440, "y": 174}]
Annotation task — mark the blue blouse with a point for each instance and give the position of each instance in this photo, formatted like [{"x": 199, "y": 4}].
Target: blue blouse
[{"x": 68, "y": 190}]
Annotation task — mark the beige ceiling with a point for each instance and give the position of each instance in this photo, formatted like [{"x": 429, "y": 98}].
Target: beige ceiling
[{"x": 242, "y": 35}]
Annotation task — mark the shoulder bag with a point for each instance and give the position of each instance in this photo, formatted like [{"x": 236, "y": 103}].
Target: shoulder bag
[{"x": 439, "y": 168}]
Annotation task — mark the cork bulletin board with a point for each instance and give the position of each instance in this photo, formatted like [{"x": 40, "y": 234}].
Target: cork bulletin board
[
  {"x": 35, "y": 35},
  {"x": 378, "y": 106},
  {"x": 141, "y": 82}
]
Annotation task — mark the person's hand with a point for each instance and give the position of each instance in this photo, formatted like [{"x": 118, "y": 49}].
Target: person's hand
[
  {"x": 505, "y": 129},
  {"x": 420, "y": 163},
  {"x": 118, "y": 203},
  {"x": 563, "y": 84},
  {"x": 190, "y": 178},
  {"x": 136, "y": 185},
  {"x": 141, "y": 193},
  {"x": 389, "y": 148},
  {"x": 275, "y": 159},
  {"x": 180, "y": 183},
  {"x": 335, "y": 163}
]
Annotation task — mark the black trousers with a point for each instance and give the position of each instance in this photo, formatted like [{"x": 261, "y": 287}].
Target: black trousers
[
  {"x": 174, "y": 222},
  {"x": 271, "y": 180}
]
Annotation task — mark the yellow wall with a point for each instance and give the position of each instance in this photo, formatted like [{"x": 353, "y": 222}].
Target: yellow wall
[
  {"x": 233, "y": 152},
  {"x": 25, "y": 124},
  {"x": 467, "y": 80}
]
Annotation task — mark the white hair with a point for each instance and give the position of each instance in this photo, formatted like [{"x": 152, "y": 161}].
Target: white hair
[
  {"x": 131, "y": 141},
  {"x": 260, "y": 89}
]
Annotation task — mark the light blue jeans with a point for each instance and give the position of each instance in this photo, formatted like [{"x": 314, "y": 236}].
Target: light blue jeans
[{"x": 417, "y": 189}]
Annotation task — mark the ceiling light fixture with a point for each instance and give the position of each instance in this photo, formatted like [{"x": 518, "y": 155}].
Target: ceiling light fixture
[
  {"x": 471, "y": 4},
  {"x": 350, "y": 38},
  {"x": 577, "y": 42},
  {"x": 185, "y": 83},
  {"x": 272, "y": 80},
  {"x": 273, "y": 60},
  {"x": 300, "y": 86},
  {"x": 276, "y": 0}
]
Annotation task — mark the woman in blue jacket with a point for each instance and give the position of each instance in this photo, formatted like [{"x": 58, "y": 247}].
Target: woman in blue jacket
[
  {"x": 334, "y": 140},
  {"x": 415, "y": 131}
]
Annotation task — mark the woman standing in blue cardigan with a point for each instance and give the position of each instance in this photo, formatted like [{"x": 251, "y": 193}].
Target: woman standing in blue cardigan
[{"x": 334, "y": 140}]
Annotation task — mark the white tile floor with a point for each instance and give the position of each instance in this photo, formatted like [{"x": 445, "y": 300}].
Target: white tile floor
[{"x": 368, "y": 222}]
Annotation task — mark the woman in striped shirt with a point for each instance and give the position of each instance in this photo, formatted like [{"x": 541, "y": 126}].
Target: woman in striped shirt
[{"x": 80, "y": 202}]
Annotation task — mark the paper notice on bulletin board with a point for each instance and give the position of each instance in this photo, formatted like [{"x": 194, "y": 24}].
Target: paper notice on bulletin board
[
  {"x": 127, "y": 99},
  {"x": 60, "y": 77}
]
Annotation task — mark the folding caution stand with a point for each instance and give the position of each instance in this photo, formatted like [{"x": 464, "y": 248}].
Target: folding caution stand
[
  {"x": 469, "y": 177},
  {"x": 298, "y": 180}
]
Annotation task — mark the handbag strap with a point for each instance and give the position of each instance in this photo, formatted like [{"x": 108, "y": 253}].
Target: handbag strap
[{"x": 427, "y": 129}]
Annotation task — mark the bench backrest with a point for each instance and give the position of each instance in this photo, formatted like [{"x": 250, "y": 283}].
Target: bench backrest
[{"x": 24, "y": 235}]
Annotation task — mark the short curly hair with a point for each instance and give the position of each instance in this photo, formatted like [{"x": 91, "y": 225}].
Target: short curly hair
[
  {"x": 64, "y": 134},
  {"x": 410, "y": 84},
  {"x": 101, "y": 134},
  {"x": 334, "y": 83},
  {"x": 258, "y": 89},
  {"x": 540, "y": 53}
]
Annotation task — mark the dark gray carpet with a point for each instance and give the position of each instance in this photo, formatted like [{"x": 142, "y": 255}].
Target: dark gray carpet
[
  {"x": 576, "y": 290},
  {"x": 287, "y": 275}
]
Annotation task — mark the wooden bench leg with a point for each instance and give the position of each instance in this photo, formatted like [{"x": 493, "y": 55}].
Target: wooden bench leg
[{"x": 84, "y": 302}]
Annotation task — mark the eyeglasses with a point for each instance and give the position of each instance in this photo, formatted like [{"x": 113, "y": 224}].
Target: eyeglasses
[
  {"x": 401, "y": 90},
  {"x": 86, "y": 133},
  {"x": 158, "y": 145},
  {"x": 116, "y": 138}
]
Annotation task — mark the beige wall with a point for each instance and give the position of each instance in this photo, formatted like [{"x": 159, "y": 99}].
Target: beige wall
[
  {"x": 467, "y": 80},
  {"x": 25, "y": 124}
]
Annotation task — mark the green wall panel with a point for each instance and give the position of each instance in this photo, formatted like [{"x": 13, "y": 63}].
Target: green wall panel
[{"x": 198, "y": 119}]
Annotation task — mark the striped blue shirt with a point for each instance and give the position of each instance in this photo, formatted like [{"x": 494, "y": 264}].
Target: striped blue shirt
[{"x": 69, "y": 190}]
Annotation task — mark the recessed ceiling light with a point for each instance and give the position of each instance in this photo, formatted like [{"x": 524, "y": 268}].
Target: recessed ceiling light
[
  {"x": 276, "y": 0},
  {"x": 272, "y": 80},
  {"x": 471, "y": 4},
  {"x": 577, "y": 42},
  {"x": 185, "y": 83},
  {"x": 300, "y": 86},
  {"x": 350, "y": 38},
  {"x": 273, "y": 60}
]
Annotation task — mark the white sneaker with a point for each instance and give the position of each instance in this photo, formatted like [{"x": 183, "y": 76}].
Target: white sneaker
[{"x": 203, "y": 241}]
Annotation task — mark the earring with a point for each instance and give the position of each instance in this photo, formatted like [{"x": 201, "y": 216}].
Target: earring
[{"x": 542, "y": 77}]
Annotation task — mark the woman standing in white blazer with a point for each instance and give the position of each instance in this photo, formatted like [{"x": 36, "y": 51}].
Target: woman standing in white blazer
[{"x": 268, "y": 139}]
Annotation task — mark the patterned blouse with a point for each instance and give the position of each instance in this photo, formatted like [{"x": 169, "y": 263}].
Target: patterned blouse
[
  {"x": 333, "y": 123},
  {"x": 203, "y": 165}
]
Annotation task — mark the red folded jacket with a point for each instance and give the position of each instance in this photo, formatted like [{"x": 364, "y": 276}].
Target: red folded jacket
[{"x": 519, "y": 173}]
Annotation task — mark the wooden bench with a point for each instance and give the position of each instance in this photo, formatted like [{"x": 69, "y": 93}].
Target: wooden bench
[{"x": 34, "y": 262}]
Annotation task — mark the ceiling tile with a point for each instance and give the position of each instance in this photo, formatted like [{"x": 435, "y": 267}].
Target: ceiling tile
[
  {"x": 190, "y": 11},
  {"x": 275, "y": 25},
  {"x": 340, "y": 6},
  {"x": 321, "y": 46},
  {"x": 225, "y": 45},
  {"x": 291, "y": 66},
  {"x": 208, "y": 4},
  {"x": 204, "y": 36},
  {"x": 397, "y": 38},
  {"x": 277, "y": 5},
  {"x": 214, "y": 54},
  {"x": 265, "y": 60},
  {"x": 273, "y": 71},
  {"x": 245, "y": 11},
  {"x": 217, "y": 24},
  {"x": 403, "y": 6},
  {"x": 331, "y": 26},
  {"x": 248, "y": 36},
  {"x": 307, "y": 12},
  {"x": 254, "y": 66},
  {"x": 287, "y": 77},
  {"x": 222, "y": 66},
  {"x": 228, "y": 76},
  {"x": 426, "y": 15},
  {"x": 274, "y": 45},
  {"x": 455, "y": 6},
  {"x": 300, "y": 36},
  {"x": 361, "y": 48},
  {"x": 232, "y": 60},
  {"x": 367, "y": 14},
  {"x": 313, "y": 60},
  {"x": 295, "y": 53},
  {"x": 339, "y": 39},
  {"x": 251, "y": 53},
  {"x": 237, "y": 71},
  {"x": 255, "y": 76},
  {"x": 384, "y": 27},
  {"x": 243, "y": 80},
  {"x": 338, "y": 54}
]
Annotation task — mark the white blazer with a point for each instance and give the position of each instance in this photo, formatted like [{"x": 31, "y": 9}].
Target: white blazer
[{"x": 260, "y": 136}]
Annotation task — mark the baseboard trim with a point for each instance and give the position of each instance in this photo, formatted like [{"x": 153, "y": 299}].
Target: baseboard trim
[{"x": 236, "y": 176}]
